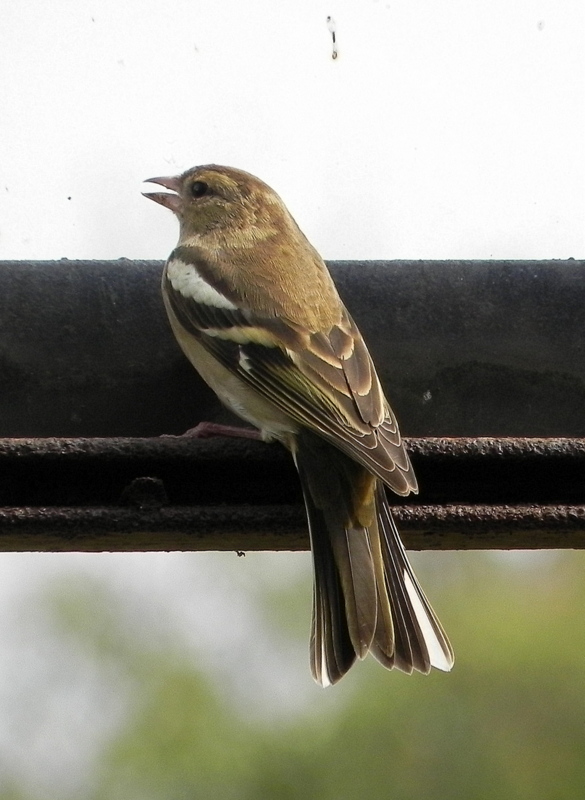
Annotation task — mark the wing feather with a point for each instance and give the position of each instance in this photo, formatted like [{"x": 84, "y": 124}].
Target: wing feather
[{"x": 325, "y": 381}]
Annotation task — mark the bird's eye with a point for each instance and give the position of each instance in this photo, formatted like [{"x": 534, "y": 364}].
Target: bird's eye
[{"x": 199, "y": 188}]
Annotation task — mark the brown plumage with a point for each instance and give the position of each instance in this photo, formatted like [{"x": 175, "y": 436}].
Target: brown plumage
[{"x": 254, "y": 308}]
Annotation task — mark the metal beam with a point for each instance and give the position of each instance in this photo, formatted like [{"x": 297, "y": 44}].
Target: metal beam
[
  {"x": 181, "y": 494},
  {"x": 464, "y": 348},
  {"x": 489, "y": 354}
]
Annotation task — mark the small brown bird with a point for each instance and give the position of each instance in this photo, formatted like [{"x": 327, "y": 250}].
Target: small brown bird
[{"x": 255, "y": 310}]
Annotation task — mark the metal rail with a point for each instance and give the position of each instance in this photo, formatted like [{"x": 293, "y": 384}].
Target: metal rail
[
  {"x": 181, "y": 494},
  {"x": 490, "y": 354}
]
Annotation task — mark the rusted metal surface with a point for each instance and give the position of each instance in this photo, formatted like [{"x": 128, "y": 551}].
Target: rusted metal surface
[
  {"x": 219, "y": 494},
  {"x": 492, "y": 351},
  {"x": 464, "y": 348},
  {"x": 450, "y": 527}
]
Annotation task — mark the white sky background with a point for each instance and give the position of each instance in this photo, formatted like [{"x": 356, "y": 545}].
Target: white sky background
[
  {"x": 450, "y": 129},
  {"x": 443, "y": 130}
]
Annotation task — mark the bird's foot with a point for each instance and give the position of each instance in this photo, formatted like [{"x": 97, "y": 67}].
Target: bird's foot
[{"x": 207, "y": 430}]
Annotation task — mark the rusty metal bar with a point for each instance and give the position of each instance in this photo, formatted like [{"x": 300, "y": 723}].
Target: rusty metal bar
[
  {"x": 180, "y": 494},
  {"x": 193, "y": 528},
  {"x": 491, "y": 354}
]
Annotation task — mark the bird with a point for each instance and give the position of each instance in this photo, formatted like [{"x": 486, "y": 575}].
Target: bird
[{"x": 255, "y": 310}]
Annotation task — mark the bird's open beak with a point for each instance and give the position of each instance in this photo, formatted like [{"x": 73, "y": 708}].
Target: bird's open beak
[{"x": 171, "y": 201}]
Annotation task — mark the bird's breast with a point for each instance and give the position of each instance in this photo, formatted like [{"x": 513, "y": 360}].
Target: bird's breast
[{"x": 233, "y": 392}]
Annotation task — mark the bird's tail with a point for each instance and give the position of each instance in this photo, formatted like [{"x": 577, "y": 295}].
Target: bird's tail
[{"x": 366, "y": 598}]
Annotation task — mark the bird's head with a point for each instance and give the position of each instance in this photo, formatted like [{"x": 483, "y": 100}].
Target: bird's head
[{"x": 222, "y": 201}]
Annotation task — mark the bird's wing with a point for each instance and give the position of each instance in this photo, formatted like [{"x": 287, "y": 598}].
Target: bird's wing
[{"x": 324, "y": 381}]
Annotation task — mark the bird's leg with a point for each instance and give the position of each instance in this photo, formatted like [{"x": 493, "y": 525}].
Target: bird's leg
[{"x": 207, "y": 430}]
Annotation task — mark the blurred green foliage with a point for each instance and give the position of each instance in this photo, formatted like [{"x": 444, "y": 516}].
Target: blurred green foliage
[{"x": 508, "y": 722}]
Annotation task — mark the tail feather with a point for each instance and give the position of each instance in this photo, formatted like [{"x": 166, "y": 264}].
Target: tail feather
[
  {"x": 366, "y": 597},
  {"x": 332, "y": 652},
  {"x": 353, "y": 556},
  {"x": 421, "y": 642},
  {"x": 387, "y": 628}
]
